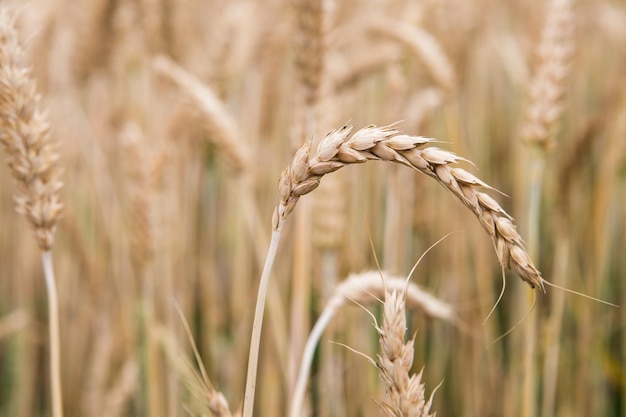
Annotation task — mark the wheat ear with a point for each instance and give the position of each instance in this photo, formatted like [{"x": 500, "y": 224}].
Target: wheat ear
[
  {"x": 32, "y": 158},
  {"x": 363, "y": 288},
  {"x": 547, "y": 87},
  {"x": 340, "y": 148},
  {"x": 405, "y": 392}
]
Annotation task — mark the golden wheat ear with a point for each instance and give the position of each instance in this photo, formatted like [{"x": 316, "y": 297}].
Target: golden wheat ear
[
  {"x": 406, "y": 394},
  {"x": 32, "y": 157},
  {"x": 341, "y": 147}
]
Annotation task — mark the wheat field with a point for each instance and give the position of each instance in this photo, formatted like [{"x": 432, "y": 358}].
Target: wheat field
[{"x": 455, "y": 164}]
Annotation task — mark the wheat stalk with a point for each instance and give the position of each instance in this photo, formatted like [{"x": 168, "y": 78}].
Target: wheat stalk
[
  {"x": 340, "y": 148},
  {"x": 32, "y": 158},
  {"x": 547, "y": 89}
]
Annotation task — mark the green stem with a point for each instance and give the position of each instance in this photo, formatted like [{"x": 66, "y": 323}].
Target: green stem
[{"x": 537, "y": 169}]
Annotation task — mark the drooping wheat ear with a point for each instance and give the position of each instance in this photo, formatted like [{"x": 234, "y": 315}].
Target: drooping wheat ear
[
  {"x": 406, "y": 394},
  {"x": 217, "y": 120},
  {"x": 340, "y": 148},
  {"x": 547, "y": 87},
  {"x": 310, "y": 48},
  {"x": 364, "y": 288},
  {"x": 24, "y": 132}
]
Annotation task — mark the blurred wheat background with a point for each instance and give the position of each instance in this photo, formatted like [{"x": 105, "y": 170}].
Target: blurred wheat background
[{"x": 174, "y": 120}]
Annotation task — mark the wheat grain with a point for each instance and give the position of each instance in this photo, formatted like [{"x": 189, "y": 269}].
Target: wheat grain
[{"x": 340, "y": 148}]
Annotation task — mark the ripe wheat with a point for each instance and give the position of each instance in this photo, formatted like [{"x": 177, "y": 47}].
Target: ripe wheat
[{"x": 340, "y": 148}]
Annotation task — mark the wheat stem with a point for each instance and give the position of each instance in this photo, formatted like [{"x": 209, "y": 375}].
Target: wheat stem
[
  {"x": 55, "y": 340},
  {"x": 255, "y": 341}
]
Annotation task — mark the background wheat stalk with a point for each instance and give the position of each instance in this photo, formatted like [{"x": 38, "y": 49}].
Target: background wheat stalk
[{"x": 32, "y": 158}]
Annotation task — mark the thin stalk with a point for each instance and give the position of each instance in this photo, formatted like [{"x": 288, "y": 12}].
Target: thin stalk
[
  {"x": 55, "y": 340},
  {"x": 309, "y": 351},
  {"x": 537, "y": 169},
  {"x": 255, "y": 341},
  {"x": 553, "y": 336}
]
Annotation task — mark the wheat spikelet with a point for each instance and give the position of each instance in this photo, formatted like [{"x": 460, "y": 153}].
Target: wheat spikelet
[
  {"x": 340, "y": 148},
  {"x": 405, "y": 392},
  {"x": 24, "y": 132},
  {"x": 547, "y": 85}
]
